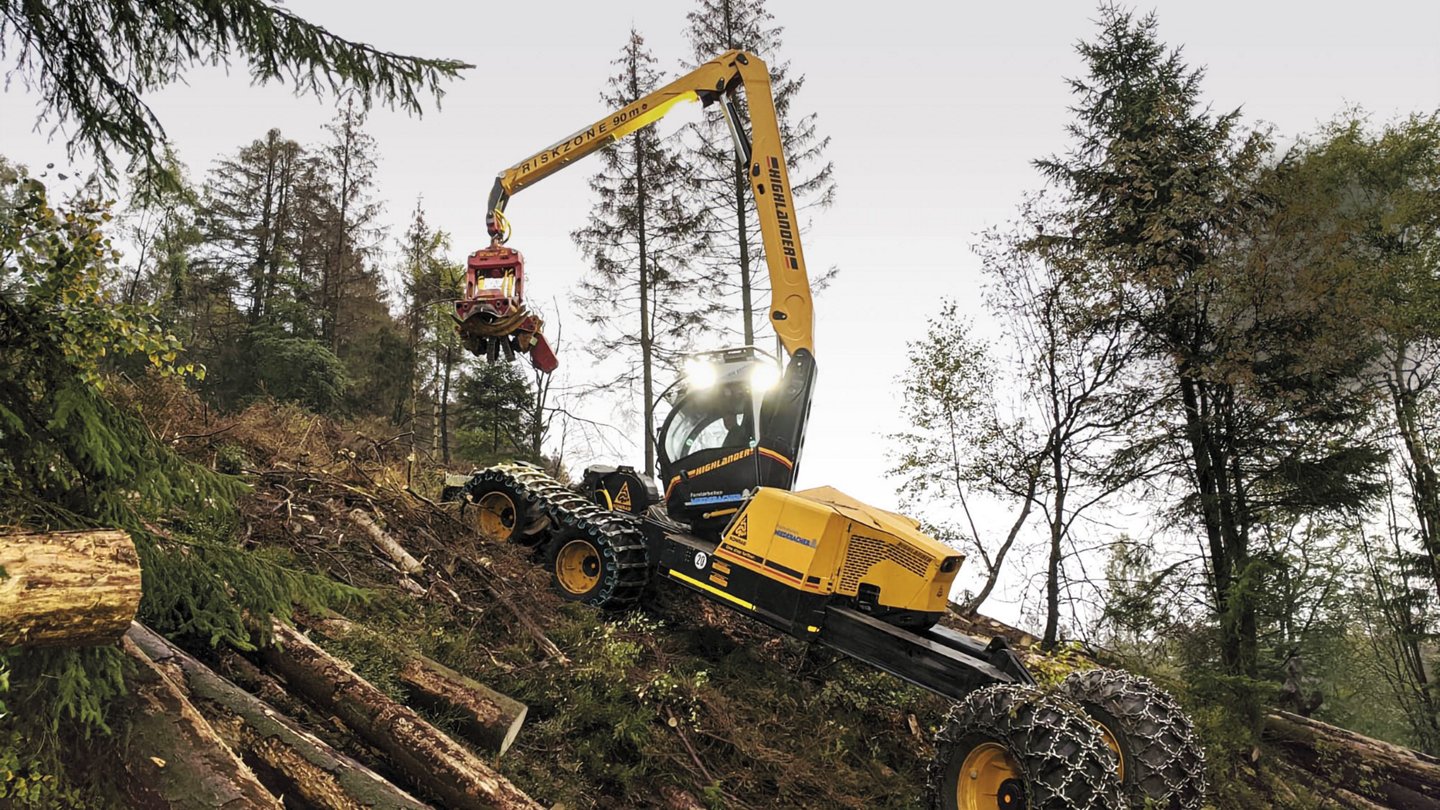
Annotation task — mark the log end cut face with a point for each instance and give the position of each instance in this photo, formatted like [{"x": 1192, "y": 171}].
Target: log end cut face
[{"x": 68, "y": 589}]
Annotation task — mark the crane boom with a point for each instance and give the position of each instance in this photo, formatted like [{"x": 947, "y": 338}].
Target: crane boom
[{"x": 762, "y": 151}]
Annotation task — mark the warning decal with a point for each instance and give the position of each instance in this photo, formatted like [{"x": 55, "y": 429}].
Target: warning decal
[
  {"x": 740, "y": 533},
  {"x": 622, "y": 498}
]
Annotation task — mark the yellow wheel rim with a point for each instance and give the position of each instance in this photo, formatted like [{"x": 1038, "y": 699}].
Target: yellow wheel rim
[
  {"x": 989, "y": 780},
  {"x": 1113, "y": 744},
  {"x": 496, "y": 515},
  {"x": 577, "y": 567}
]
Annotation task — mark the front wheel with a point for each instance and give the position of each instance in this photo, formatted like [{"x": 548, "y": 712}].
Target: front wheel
[
  {"x": 603, "y": 570},
  {"x": 1017, "y": 748},
  {"x": 1161, "y": 764}
]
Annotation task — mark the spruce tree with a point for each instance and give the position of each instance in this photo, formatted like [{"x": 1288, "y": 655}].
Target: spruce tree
[
  {"x": 645, "y": 296},
  {"x": 94, "y": 61},
  {"x": 1246, "y": 343},
  {"x": 252, "y": 210},
  {"x": 429, "y": 282},
  {"x": 736, "y": 257},
  {"x": 346, "y": 164}
]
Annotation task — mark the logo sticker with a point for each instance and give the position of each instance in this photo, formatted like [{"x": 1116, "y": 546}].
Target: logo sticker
[{"x": 701, "y": 560}]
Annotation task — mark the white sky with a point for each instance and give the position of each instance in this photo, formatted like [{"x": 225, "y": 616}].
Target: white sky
[{"x": 935, "y": 108}]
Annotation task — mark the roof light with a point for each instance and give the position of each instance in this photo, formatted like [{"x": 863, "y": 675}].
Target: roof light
[
  {"x": 763, "y": 377},
  {"x": 700, "y": 373}
]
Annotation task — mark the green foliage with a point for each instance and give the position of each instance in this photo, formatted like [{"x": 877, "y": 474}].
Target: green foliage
[
  {"x": 68, "y": 456},
  {"x": 297, "y": 369},
  {"x": 200, "y": 582},
  {"x": 30, "y": 782},
  {"x": 494, "y": 413},
  {"x": 72, "y": 458},
  {"x": 94, "y": 61}
]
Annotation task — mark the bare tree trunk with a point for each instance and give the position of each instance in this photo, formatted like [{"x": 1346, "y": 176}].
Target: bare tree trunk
[
  {"x": 430, "y": 759},
  {"x": 172, "y": 755},
  {"x": 445, "y": 404},
  {"x": 69, "y": 589}
]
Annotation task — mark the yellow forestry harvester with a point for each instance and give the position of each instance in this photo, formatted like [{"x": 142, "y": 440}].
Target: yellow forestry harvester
[{"x": 723, "y": 521}]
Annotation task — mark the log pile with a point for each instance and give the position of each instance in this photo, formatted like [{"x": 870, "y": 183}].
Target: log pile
[
  {"x": 196, "y": 739},
  {"x": 487, "y": 718}
]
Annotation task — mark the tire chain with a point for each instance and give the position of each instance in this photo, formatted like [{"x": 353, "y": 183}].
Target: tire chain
[
  {"x": 572, "y": 514},
  {"x": 1167, "y": 767},
  {"x": 1066, "y": 762}
]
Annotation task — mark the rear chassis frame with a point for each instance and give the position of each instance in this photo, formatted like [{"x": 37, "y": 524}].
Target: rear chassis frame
[{"x": 937, "y": 659}]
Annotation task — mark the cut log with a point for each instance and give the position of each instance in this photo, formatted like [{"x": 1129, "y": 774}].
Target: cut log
[
  {"x": 173, "y": 756},
  {"x": 295, "y": 762},
  {"x": 434, "y": 763},
  {"x": 1390, "y": 775},
  {"x": 486, "y": 717},
  {"x": 386, "y": 543},
  {"x": 243, "y": 673},
  {"x": 69, "y": 589}
]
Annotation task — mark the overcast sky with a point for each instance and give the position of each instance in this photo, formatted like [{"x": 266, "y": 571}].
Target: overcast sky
[{"x": 935, "y": 109}]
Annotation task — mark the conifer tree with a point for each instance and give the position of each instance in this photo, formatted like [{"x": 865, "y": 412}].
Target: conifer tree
[
  {"x": 736, "y": 257},
  {"x": 252, "y": 211},
  {"x": 346, "y": 165},
  {"x": 645, "y": 296},
  {"x": 161, "y": 224},
  {"x": 1244, "y": 341},
  {"x": 94, "y": 61},
  {"x": 429, "y": 283}
]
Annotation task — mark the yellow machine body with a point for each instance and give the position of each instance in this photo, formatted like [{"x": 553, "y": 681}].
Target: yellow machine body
[{"x": 824, "y": 542}]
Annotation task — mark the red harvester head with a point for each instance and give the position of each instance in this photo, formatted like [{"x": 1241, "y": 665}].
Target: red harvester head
[{"x": 493, "y": 318}]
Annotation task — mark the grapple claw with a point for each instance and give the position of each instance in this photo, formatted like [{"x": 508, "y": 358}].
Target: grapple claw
[{"x": 492, "y": 317}]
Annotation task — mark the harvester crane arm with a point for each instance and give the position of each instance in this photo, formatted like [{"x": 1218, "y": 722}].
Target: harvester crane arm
[{"x": 791, "y": 312}]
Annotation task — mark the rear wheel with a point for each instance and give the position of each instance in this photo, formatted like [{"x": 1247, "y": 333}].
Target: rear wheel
[
  {"x": 1161, "y": 764},
  {"x": 1018, "y": 748},
  {"x": 502, "y": 513}
]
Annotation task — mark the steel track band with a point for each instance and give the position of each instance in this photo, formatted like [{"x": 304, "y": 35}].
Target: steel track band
[{"x": 568, "y": 510}]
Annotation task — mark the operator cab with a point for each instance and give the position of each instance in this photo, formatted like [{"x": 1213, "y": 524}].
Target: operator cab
[{"x": 736, "y": 425}]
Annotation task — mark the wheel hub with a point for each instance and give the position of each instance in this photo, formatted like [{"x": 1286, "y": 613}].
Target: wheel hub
[
  {"x": 990, "y": 780},
  {"x": 1011, "y": 795},
  {"x": 497, "y": 515},
  {"x": 577, "y": 567}
]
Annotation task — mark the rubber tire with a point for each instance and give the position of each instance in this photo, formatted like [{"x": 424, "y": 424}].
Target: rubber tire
[
  {"x": 1164, "y": 763},
  {"x": 527, "y": 512},
  {"x": 621, "y": 582},
  {"x": 1064, "y": 762}
]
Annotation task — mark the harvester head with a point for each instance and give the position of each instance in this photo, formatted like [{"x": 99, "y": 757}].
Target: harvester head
[{"x": 492, "y": 318}]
